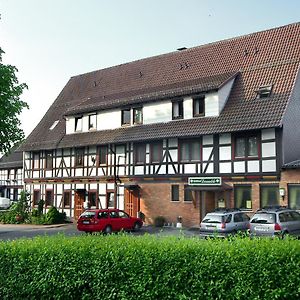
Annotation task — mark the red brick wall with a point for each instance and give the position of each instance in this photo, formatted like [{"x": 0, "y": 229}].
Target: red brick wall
[{"x": 156, "y": 201}]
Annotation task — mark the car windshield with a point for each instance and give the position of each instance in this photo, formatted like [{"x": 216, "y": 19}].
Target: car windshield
[
  {"x": 264, "y": 218},
  {"x": 88, "y": 214},
  {"x": 213, "y": 219}
]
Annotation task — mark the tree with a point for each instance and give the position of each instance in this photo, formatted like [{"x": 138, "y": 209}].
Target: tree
[{"x": 10, "y": 106}]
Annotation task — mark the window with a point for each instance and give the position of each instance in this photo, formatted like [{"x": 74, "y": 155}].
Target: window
[
  {"x": 242, "y": 196},
  {"x": 177, "y": 109},
  {"x": 140, "y": 153},
  {"x": 175, "y": 192},
  {"x": 93, "y": 198},
  {"x": 15, "y": 174},
  {"x": 35, "y": 160},
  {"x": 54, "y": 124},
  {"x": 78, "y": 124},
  {"x": 48, "y": 160},
  {"x": 79, "y": 156},
  {"x": 36, "y": 197},
  {"x": 269, "y": 195},
  {"x": 156, "y": 152},
  {"x": 190, "y": 150},
  {"x": 187, "y": 194},
  {"x": 294, "y": 196},
  {"x": 126, "y": 116},
  {"x": 8, "y": 193},
  {"x": 246, "y": 146},
  {"x": 199, "y": 106},
  {"x": 49, "y": 198},
  {"x": 264, "y": 91},
  {"x": 102, "y": 155},
  {"x": 103, "y": 215},
  {"x": 92, "y": 121},
  {"x": 137, "y": 116},
  {"x": 123, "y": 215},
  {"x": 110, "y": 199},
  {"x": 67, "y": 198},
  {"x": 15, "y": 194}
]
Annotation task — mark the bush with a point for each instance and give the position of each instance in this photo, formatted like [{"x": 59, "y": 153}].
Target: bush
[
  {"x": 149, "y": 267},
  {"x": 159, "y": 221},
  {"x": 53, "y": 216}
]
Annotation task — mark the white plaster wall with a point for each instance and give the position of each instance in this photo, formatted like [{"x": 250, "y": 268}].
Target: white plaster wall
[
  {"x": 206, "y": 153},
  {"x": 211, "y": 105},
  {"x": 253, "y": 166},
  {"x": 239, "y": 167},
  {"x": 157, "y": 112},
  {"x": 109, "y": 120},
  {"x": 139, "y": 170},
  {"x": 190, "y": 169},
  {"x": 269, "y": 165},
  {"x": 223, "y": 93},
  {"x": 70, "y": 125},
  {"x": 162, "y": 170},
  {"x": 188, "y": 108},
  {"x": 173, "y": 154},
  {"x": 225, "y": 167}
]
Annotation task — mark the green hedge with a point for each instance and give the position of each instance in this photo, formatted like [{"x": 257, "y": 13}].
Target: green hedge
[{"x": 149, "y": 267}]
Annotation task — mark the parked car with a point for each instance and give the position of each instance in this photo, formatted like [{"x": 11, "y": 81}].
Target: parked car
[
  {"x": 275, "y": 221},
  {"x": 223, "y": 222},
  {"x": 107, "y": 221},
  {"x": 4, "y": 203}
]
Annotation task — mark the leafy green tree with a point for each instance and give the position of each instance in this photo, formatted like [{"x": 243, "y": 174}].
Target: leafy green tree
[{"x": 10, "y": 106}]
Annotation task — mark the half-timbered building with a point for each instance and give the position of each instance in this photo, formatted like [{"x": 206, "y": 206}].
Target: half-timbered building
[
  {"x": 176, "y": 134},
  {"x": 11, "y": 175}
]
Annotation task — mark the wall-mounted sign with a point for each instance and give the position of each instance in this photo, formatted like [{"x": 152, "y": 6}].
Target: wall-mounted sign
[{"x": 205, "y": 181}]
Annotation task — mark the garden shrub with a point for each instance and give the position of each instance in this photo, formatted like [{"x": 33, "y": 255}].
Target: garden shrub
[
  {"x": 159, "y": 221},
  {"x": 53, "y": 216},
  {"x": 149, "y": 267}
]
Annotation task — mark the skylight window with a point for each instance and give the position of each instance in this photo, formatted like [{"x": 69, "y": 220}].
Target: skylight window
[
  {"x": 54, "y": 124},
  {"x": 264, "y": 91}
]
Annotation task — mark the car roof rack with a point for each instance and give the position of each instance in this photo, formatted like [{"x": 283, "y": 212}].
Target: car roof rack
[
  {"x": 272, "y": 207},
  {"x": 226, "y": 209}
]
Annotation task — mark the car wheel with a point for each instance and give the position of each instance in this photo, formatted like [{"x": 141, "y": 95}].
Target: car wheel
[
  {"x": 137, "y": 226},
  {"x": 107, "y": 229}
]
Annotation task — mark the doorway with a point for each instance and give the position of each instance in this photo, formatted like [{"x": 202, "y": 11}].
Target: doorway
[
  {"x": 78, "y": 203},
  {"x": 132, "y": 201}
]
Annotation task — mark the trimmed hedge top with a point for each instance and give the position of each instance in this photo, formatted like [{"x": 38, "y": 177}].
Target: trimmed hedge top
[{"x": 149, "y": 267}]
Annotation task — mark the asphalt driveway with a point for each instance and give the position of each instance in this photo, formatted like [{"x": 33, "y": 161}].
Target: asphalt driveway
[{"x": 12, "y": 231}]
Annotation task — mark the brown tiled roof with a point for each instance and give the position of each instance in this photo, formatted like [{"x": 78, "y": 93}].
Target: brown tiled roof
[
  {"x": 14, "y": 159},
  {"x": 262, "y": 58}
]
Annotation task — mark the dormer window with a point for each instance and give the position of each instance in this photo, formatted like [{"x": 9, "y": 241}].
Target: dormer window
[
  {"x": 177, "y": 109},
  {"x": 199, "y": 106},
  {"x": 126, "y": 116},
  {"x": 264, "y": 91},
  {"x": 92, "y": 121},
  {"x": 78, "y": 123},
  {"x": 137, "y": 116}
]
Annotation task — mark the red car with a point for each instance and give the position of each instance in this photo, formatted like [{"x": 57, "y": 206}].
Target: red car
[{"x": 107, "y": 221}]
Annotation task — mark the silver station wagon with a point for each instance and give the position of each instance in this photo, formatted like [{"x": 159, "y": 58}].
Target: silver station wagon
[
  {"x": 275, "y": 221},
  {"x": 223, "y": 222}
]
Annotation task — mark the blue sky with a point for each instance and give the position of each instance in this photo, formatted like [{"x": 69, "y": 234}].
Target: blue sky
[{"x": 51, "y": 40}]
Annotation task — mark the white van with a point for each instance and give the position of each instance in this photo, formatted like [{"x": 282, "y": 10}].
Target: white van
[{"x": 4, "y": 203}]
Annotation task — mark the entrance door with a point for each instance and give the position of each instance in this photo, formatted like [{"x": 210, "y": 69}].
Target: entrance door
[
  {"x": 131, "y": 202},
  {"x": 78, "y": 206}
]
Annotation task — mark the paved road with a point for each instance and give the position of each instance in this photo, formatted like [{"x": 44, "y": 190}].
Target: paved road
[{"x": 12, "y": 232}]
